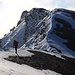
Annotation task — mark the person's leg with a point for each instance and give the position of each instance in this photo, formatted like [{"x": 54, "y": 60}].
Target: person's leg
[{"x": 15, "y": 49}]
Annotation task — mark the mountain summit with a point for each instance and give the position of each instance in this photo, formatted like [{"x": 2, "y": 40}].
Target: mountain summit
[{"x": 41, "y": 29}]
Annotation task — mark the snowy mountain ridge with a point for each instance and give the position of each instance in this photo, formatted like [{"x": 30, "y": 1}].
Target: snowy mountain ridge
[{"x": 41, "y": 29}]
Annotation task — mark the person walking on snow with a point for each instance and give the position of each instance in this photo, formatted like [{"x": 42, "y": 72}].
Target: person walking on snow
[{"x": 15, "y": 44}]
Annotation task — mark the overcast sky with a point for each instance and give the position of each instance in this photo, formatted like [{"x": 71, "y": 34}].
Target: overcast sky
[{"x": 10, "y": 10}]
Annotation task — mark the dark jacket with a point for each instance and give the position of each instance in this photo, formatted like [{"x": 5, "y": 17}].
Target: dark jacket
[{"x": 15, "y": 43}]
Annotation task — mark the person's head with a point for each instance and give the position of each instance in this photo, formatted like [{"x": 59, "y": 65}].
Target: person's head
[{"x": 14, "y": 40}]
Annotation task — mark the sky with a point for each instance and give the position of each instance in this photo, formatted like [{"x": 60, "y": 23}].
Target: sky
[{"x": 11, "y": 10}]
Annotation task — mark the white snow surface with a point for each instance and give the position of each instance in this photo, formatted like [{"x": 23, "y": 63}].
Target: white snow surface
[{"x": 10, "y": 68}]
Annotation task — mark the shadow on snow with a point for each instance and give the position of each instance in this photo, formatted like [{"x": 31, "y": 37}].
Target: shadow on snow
[{"x": 45, "y": 61}]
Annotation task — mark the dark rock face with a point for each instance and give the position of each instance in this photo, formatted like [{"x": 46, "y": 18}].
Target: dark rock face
[
  {"x": 24, "y": 14},
  {"x": 36, "y": 14},
  {"x": 72, "y": 13},
  {"x": 32, "y": 20},
  {"x": 65, "y": 32}
]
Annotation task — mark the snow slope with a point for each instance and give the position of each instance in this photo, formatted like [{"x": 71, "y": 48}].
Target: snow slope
[
  {"x": 16, "y": 34},
  {"x": 44, "y": 30},
  {"x": 10, "y": 68}
]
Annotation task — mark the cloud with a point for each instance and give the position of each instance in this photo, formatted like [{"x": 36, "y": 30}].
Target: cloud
[
  {"x": 47, "y": 4},
  {"x": 0, "y": 4},
  {"x": 66, "y": 4},
  {"x": 10, "y": 10},
  {"x": 70, "y": 4},
  {"x": 70, "y": 1},
  {"x": 20, "y": 3}
]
